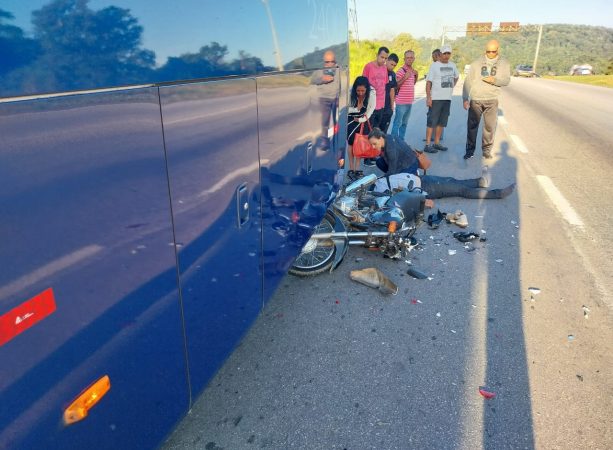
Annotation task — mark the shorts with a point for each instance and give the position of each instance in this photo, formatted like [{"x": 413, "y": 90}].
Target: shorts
[{"x": 439, "y": 113}]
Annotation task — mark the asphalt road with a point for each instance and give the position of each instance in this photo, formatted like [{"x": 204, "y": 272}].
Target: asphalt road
[{"x": 332, "y": 364}]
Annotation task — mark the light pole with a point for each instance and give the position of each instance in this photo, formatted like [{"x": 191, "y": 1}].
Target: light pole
[{"x": 275, "y": 41}]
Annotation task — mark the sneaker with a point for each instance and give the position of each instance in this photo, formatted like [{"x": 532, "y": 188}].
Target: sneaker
[
  {"x": 351, "y": 175},
  {"x": 369, "y": 162},
  {"x": 430, "y": 149},
  {"x": 440, "y": 147},
  {"x": 486, "y": 179},
  {"x": 468, "y": 155},
  {"x": 434, "y": 220},
  {"x": 458, "y": 217},
  {"x": 358, "y": 174}
]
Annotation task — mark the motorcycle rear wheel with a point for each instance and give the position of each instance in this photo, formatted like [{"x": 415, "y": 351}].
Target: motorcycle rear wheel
[{"x": 317, "y": 255}]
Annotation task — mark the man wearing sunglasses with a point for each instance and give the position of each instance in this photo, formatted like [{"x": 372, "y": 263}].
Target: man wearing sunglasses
[{"x": 480, "y": 94}]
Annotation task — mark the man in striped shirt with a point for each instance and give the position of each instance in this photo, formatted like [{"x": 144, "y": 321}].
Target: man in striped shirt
[{"x": 406, "y": 77}]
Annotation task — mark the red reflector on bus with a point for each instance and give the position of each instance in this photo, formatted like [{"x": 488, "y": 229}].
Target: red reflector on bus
[{"x": 22, "y": 317}]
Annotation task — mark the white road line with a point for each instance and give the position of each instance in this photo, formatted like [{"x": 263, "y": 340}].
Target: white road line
[
  {"x": 48, "y": 270},
  {"x": 558, "y": 200},
  {"x": 519, "y": 143},
  {"x": 232, "y": 176}
]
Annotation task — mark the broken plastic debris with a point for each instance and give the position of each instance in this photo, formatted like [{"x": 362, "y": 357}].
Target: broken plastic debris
[
  {"x": 415, "y": 273},
  {"x": 359, "y": 259},
  {"x": 454, "y": 331},
  {"x": 451, "y": 252},
  {"x": 487, "y": 394},
  {"x": 571, "y": 337},
  {"x": 374, "y": 278},
  {"x": 513, "y": 222},
  {"x": 430, "y": 278},
  {"x": 586, "y": 312},
  {"x": 534, "y": 290},
  {"x": 465, "y": 237},
  {"x": 438, "y": 314},
  {"x": 483, "y": 231},
  {"x": 499, "y": 260}
]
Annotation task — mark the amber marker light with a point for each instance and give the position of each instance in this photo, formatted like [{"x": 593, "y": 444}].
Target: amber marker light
[
  {"x": 341, "y": 162},
  {"x": 392, "y": 226},
  {"x": 87, "y": 400}
]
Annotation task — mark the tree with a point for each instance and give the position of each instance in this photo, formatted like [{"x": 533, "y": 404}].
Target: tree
[{"x": 15, "y": 49}]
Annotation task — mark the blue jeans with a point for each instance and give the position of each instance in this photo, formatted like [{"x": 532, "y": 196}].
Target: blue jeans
[
  {"x": 399, "y": 127},
  {"x": 441, "y": 187}
]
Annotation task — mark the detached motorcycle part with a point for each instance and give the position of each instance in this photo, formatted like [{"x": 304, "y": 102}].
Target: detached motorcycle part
[
  {"x": 321, "y": 254},
  {"x": 376, "y": 279},
  {"x": 416, "y": 273}
]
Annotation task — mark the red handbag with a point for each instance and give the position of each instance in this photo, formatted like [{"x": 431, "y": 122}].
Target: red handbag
[{"x": 361, "y": 146}]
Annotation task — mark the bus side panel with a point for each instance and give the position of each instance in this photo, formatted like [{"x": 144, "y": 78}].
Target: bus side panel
[
  {"x": 298, "y": 171},
  {"x": 210, "y": 132},
  {"x": 85, "y": 219}
]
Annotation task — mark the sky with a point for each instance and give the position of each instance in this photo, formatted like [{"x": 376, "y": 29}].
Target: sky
[{"x": 387, "y": 18}]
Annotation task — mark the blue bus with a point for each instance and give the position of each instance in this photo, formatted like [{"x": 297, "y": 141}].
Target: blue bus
[{"x": 162, "y": 164}]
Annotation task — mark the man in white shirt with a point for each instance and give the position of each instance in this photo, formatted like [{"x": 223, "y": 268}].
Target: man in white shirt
[{"x": 440, "y": 81}]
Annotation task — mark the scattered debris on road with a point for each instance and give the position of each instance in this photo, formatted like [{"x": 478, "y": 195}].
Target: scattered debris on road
[
  {"x": 534, "y": 291},
  {"x": 586, "y": 312},
  {"x": 415, "y": 273},
  {"x": 486, "y": 394}
]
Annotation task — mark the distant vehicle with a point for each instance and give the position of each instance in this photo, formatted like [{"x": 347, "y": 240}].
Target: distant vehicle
[
  {"x": 583, "y": 69},
  {"x": 524, "y": 70}
]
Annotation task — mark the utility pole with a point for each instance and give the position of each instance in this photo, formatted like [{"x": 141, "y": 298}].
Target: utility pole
[{"x": 538, "y": 46}]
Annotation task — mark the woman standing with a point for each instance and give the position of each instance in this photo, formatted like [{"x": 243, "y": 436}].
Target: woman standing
[{"x": 360, "y": 109}]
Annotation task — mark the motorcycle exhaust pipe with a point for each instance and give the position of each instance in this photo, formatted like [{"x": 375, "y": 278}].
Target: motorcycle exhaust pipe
[{"x": 350, "y": 234}]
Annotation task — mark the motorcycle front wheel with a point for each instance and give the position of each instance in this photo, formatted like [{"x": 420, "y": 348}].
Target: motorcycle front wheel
[{"x": 317, "y": 255}]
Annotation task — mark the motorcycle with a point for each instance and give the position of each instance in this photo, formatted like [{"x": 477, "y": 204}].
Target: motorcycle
[{"x": 360, "y": 216}]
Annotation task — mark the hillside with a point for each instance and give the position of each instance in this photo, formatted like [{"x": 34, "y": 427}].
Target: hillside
[{"x": 561, "y": 47}]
